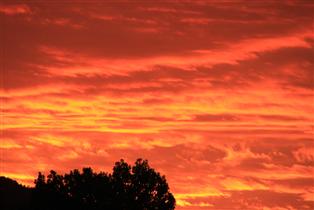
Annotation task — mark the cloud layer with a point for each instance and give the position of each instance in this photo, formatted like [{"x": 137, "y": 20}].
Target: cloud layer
[{"x": 217, "y": 96}]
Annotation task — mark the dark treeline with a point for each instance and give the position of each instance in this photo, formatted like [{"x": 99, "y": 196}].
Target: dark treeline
[{"x": 137, "y": 187}]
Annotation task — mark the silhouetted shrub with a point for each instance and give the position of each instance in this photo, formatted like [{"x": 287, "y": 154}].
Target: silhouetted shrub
[{"x": 13, "y": 196}]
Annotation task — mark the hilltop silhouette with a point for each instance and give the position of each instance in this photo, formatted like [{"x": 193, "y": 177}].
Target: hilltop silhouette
[
  {"x": 137, "y": 187},
  {"x": 13, "y": 195}
]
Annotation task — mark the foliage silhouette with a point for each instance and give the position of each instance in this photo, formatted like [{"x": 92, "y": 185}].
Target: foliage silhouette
[
  {"x": 137, "y": 187},
  {"x": 13, "y": 196}
]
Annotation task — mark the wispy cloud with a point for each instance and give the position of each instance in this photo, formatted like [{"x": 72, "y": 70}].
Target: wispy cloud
[
  {"x": 15, "y": 9},
  {"x": 218, "y": 96}
]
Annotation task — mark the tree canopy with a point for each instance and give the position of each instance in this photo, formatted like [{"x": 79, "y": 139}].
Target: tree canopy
[{"x": 137, "y": 187}]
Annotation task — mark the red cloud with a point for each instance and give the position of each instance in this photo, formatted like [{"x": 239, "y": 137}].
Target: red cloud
[
  {"x": 218, "y": 96},
  {"x": 15, "y": 9}
]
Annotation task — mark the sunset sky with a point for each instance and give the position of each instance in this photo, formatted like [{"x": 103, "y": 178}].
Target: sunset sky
[{"x": 218, "y": 96}]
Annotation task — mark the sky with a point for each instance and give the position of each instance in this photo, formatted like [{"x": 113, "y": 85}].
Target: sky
[{"x": 217, "y": 95}]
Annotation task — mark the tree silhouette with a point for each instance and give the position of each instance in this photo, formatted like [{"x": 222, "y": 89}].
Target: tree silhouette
[
  {"x": 128, "y": 188},
  {"x": 13, "y": 196},
  {"x": 149, "y": 189}
]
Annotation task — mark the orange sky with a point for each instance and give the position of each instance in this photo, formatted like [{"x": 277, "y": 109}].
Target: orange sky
[{"x": 217, "y": 96}]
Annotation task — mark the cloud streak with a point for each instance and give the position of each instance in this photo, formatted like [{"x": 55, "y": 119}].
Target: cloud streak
[{"x": 217, "y": 96}]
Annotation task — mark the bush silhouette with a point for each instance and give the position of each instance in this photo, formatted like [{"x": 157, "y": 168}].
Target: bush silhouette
[
  {"x": 13, "y": 195},
  {"x": 128, "y": 188}
]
